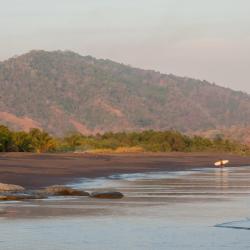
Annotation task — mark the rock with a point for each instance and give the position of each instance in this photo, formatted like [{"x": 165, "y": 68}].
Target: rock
[
  {"x": 17, "y": 197},
  {"x": 9, "y": 196},
  {"x": 64, "y": 191},
  {"x": 10, "y": 188},
  {"x": 107, "y": 195}
]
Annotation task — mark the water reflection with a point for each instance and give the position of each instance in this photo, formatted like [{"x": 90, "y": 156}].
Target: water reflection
[{"x": 222, "y": 178}]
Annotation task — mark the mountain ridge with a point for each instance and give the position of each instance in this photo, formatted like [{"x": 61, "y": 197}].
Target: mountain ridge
[{"x": 62, "y": 91}]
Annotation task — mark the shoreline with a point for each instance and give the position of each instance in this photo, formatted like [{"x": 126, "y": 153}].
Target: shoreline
[{"x": 40, "y": 170}]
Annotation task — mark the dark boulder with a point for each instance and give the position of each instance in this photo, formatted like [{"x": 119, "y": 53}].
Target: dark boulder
[
  {"x": 107, "y": 195},
  {"x": 20, "y": 197},
  {"x": 64, "y": 191}
]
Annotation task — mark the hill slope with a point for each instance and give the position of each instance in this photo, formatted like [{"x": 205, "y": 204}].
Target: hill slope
[{"x": 63, "y": 91}]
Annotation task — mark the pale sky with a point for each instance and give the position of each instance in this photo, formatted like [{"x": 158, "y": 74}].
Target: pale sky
[{"x": 205, "y": 39}]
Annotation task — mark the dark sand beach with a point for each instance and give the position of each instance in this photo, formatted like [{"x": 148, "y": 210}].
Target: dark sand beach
[{"x": 40, "y": 170}]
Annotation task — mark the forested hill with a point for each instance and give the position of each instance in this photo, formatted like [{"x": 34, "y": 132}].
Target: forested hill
[{"x": 63, "y": 91}]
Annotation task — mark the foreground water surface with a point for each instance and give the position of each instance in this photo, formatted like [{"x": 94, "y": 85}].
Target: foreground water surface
[{"x": 166, "y": 210}]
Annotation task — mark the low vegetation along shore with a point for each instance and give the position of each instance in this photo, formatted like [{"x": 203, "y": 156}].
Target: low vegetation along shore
[{"x": 123, "y": 142}]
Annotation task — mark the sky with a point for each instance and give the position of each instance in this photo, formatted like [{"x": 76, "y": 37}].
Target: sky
[{"x": 208, "y": 40}]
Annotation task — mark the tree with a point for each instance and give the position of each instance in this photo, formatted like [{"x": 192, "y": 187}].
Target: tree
[
  {"x": 22, "y": 141},
  {"x": 6, "y": 143},
  {"x": 41, "y": 141},
  {"x": 74, "y": 140}
]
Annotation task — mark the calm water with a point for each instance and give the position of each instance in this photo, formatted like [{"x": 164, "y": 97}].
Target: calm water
[{"x": 177, "y": 210}]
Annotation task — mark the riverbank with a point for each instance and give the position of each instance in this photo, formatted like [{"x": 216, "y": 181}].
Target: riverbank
[{"x": 40, "y": 170}]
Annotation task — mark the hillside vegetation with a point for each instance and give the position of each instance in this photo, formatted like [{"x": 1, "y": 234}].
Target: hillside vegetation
[
  {"x": 62, "y": 92},
  {"x": 236, "y": 133}
]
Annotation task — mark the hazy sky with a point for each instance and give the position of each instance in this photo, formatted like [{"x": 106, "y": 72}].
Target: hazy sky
[{"x": 206, "y": 39}]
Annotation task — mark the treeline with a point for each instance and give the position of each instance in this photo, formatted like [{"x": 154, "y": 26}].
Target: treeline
[
  {"x": 151, "y": 141},
  {"x": 147, "y": 141},
  {"x": 33, "y": 141}
]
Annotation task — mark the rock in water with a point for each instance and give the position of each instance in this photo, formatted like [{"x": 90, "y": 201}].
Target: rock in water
[
  {"x": 107, "y": 195},
  {"x": 18, "y": 197},
  {"x": 10, "y": 188},
  {"x": 64, "y": 191}
]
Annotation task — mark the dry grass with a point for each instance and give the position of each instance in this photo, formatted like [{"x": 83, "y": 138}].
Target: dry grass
[{"x": 119, "y": 150}]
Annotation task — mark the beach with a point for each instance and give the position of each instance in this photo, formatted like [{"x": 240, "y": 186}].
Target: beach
[{"x": 40, "y": 170}]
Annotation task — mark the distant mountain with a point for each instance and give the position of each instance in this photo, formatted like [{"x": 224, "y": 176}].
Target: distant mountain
[{"x": 63, "y": 92}]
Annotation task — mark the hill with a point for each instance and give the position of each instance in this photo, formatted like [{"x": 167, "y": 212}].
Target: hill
[{"x": 62, "y": 91}]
